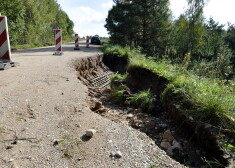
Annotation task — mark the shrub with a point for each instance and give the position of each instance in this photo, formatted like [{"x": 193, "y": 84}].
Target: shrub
[
  {"x": 117, "y": 94},
  {"x": 118, "y": 77},
  {"x": 143, "y": 100},
  {"x": 117, "y": 51}
]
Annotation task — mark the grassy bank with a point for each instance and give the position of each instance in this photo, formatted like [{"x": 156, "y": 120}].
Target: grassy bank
[
  {"x": 35, "y": 45},
  {"x": 117, "y": 51},
  {"x": 206, "y": 100},
  {"x": 209, "y": 98}
]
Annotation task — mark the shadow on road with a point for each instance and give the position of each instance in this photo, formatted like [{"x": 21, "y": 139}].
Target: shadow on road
[{"x": 85, "y": 138}]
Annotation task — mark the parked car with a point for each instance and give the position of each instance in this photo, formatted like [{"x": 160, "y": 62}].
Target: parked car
[{"x": 95, "y": 40}]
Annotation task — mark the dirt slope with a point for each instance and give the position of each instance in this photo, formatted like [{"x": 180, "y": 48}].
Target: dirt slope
[{"x": 41, "y": 101}]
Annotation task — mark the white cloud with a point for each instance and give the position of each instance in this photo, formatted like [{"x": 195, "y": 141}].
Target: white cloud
[
  {"x": 221, "y": 11},
  {"x": 90, "y": 29},
  {"x": 87, "y": 21},
  {"x": 86, "y": 14},
  {"x": 178, "y": 7},
  {"x": 107, "y": 5}
]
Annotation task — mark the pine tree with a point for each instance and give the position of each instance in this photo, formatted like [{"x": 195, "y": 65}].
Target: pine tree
[{"x": 143, "y": 23}]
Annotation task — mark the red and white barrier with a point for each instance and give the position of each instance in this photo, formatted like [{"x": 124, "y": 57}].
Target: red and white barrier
[
  {"x": 5, "y": 50},
  {"x": 76, "y": 42},
  {"x": 58, "y": 39},
  {"x": 87, "y": 41}
]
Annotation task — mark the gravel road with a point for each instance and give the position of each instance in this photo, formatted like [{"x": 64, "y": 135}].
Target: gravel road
[{"x": 44, "y": 116}]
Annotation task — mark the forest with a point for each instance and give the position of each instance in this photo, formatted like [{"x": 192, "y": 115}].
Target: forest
[
  {"x": 31, "y": 22},
  {"x": 204, "y": 46}
]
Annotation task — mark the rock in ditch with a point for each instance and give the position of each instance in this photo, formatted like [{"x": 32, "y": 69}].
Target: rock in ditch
[
  {"x": 98, "y": 105},
  {"x": 169, "y": 151},
  {"x": 101, "y": 110},
  {"x": 129, "y": 116},
  {"x": 176, "y": 146},
  {"x": 168, "y": 135},
  {"x": 90, "y": 132},
  {"x": 106, "y": 91},
  {"x": 165, "y": 145}
]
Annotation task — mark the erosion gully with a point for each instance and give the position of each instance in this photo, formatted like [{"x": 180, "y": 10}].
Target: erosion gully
[{"x": 165, "y": 126}]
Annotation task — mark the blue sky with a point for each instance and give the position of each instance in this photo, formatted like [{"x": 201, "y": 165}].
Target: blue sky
[{"x": 89, "y": 15}]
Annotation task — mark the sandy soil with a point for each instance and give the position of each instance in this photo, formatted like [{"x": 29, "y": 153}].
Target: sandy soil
[{"x": 42, "y": 102}]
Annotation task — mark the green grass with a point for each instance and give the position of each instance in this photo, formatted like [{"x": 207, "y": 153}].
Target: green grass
[
  {"x": 118, "y": 88},
  {"x": 2, "y": 129},
  {"x": 162, "y": 68},
  {"x": 117, "y": 50},
  {"x": 117, "y": 94},
  {"x": 39, "y": 44},
  {"x": 32, "y": 45},
  {"x": 118, "y": 77},
  {"x": 143, "y": 100},
  {"x": 105, "y": 41},
  {"x": 211, "y": 99},
  {"x": 70, "y": 146}
]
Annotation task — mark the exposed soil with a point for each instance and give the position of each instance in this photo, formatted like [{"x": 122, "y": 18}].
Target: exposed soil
[{"x": 190, "y": 155}]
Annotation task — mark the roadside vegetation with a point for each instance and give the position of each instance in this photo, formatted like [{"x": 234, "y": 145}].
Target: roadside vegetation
[
  {"x": 196, "y": 55},
  {"x": 206, "y": 100},
  {"x": 204, "y": 46},
  {"x": 117, "y": 51},
  {"x": 31, "y": 23},
  {"x": 104, "y": 41},
  {"x": 210, "y": 99},
  {"x": 142, "y": 100}
]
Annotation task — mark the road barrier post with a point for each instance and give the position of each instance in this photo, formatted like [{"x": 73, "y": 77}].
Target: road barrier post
[
  {"x": 76, "y": 42},
  {"x": 58, "y": 41},
  {"x": 5, "y": 48},
  {"x": 87, "y": 41}
]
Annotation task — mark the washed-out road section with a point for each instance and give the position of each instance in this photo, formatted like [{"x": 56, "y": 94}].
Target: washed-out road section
[{"x": 43, "y": 102}]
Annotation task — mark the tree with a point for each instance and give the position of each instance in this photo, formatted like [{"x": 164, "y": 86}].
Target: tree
[
  {"x": 143, "y": 23},
  {"x": 188, "y": 32},
  {"x": 179, "y": 45},
  {"x": 15, "y": 12},
  {"x": 122, "y": 24},
  {"x": 230, "y": 39},
  {"x": 194, "y": 15},
  {"x": 33, "y": 21}
]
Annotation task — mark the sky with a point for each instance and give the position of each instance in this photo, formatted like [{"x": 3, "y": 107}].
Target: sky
[{"x": 89, "y": 15}]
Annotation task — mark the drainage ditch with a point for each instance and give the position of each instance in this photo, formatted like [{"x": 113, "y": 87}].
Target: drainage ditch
[{"x": 190, "y": 143}]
